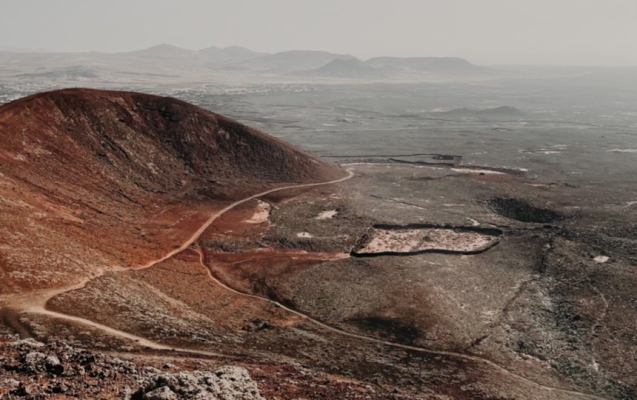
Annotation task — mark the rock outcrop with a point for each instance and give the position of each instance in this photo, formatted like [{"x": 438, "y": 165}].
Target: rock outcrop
[
  {"x": 227, "y": 383},
  {"x": 30, "y": 369}
]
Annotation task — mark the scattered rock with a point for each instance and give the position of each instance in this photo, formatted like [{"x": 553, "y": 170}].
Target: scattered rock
[
  {"x": 162, "y": 393},
  {"x": 60, "y": 388},
  {"x": 11, "y": 383},
  {"x": 52, "y": 364},
  {"x": 23, "y": 390},
  {"x": 88, "y": 374},
  {"x": 228, "y": 383},
  {"x": 34, "y": 361}
]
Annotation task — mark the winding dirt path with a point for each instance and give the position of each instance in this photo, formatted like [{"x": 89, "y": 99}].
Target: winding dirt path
[
  {"x": 216, "y": 215},
  {"x": 36, "y": 303},
  {"x": 115, "y": 332},
  {"x": 392, "y": 344}
]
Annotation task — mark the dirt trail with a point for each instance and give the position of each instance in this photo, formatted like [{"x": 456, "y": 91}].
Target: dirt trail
[
  {"x": 216, "y": 215},
  {"x": 392, "y": 344},
  {"x": 36, "y": 303},
  {"x": 115, "y": 332}
]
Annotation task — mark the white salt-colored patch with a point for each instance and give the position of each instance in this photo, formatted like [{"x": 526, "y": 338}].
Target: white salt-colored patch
[
  {"x": 622, "y": 151},
  {"x": 477, "y": 171},
  {"x": 306, "y": 235},
  {"x": 548, "y": 152},
  {"x": 261, "y": 213},
  {"x": 412, "y": 240},
  {"x": 327, "y": 214},
  {"x": 473, "y": 221},
  {"x": 601, "y": 259}
]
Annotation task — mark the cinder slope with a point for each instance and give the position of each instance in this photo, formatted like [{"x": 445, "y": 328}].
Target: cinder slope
[{"x": 92, "y": 180}]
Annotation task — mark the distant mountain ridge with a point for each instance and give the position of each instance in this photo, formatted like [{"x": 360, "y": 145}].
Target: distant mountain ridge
[
  {"x": 344, "y": 68},
  {"x": 211, "y": 55},
  {"x": 161, "y": 50},
  {"x": 292, "y": 61},
  {"x": 443, "y": 65},
  {"x": 177, "y": 63}
]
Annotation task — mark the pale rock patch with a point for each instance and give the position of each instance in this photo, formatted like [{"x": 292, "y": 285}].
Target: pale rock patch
[
  {"x": 327, "y": 214},
  {"x": 261, "y": 213}
]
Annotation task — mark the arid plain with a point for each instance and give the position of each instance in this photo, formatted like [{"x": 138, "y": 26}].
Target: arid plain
[{"x": 427, "y": 254}]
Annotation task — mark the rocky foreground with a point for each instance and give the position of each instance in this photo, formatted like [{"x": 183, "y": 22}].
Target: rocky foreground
[{"x": 33, "y": 370}]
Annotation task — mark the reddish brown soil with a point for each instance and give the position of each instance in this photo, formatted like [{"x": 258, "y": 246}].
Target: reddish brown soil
[
  {"x": 93, "y": 180},
  {"x": 255, "y": 272}
]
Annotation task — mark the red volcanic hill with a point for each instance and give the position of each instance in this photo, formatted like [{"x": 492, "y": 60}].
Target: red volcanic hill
[
  {"x": 92, "y": 179},
  {"x": 153, "y": 143}
]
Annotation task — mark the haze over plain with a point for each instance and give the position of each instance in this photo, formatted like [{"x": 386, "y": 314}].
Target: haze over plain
[{"x": 487, "y": 32}]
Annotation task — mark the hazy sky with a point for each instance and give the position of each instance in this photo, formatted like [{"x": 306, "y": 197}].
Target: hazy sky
[{"x": 585, "y": 32}]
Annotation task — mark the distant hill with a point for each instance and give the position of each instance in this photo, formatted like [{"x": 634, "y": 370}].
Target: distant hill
[
  {"x": 437, "y": 65},
  {"x": 125, "y": 125},
  {"x": 223, "y": 56},
  {"x": 240, "y": 58},
  {"x": 291, "y": 61},
  {"x": 162, "y": 51},
  {"x": 238, "y": 51},
  {"x": 344, "y": 68},
  {"x": 211, "y": 56},
  {"x": 503, "y": 112}
]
